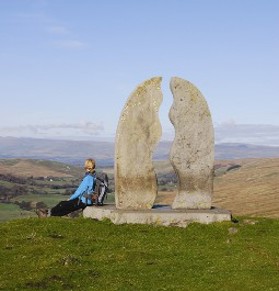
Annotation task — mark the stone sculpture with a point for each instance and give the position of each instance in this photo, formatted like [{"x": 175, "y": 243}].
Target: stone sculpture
[
  {"x": 192, "y": 157},
  {"x": 192, "y": 152},
  {"x": 138, "y": 132}
]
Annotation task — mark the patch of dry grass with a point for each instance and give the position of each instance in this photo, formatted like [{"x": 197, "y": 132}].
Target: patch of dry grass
[{"x": 252, "y": 189}]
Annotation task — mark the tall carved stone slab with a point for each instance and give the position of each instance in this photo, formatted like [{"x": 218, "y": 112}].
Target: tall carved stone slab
[
  {"x": 192, "y": 152},
  {"x": 138, "y": 132}
]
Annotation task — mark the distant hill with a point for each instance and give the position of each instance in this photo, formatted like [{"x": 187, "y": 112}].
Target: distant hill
[
  {"x": 38, "y": 168},
  {"x": 251, "y": 189},
  {"x": 74, "y": 152},
  {"x": 243, "y": 186},
  {"x": 229, "y": 151}
]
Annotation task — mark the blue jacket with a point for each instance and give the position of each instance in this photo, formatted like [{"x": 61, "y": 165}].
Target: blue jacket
[{"x": 86, "y": 187}]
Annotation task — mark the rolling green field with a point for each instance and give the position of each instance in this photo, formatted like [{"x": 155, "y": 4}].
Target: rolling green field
[
  {"x": 84, "y": 254},
  {"x": 25, "y": 182},
  {"x": 13, "y": 211}
]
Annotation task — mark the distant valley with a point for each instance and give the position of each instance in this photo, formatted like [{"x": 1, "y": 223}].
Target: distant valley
[
  {"x": 74, "y": 152},
  {"x": 244, "y": 186},
  {"x": 246, "y": 176}
]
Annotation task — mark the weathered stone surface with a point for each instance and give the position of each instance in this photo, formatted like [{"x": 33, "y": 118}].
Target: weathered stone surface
[
  {"x": 138, "y": 132},
  {"x": 192, "y": 152}
]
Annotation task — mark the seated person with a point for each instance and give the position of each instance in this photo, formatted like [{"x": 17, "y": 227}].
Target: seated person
[{"x": 80, "y": 199}]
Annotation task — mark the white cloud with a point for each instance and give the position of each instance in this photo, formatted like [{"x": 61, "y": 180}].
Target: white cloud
[
  {"x": 57, "y": 30},
  {"x": 230, "y": 132},
  {"x": 59, "y": 35},
  {"x": 258, "y": 134},
  {"x": 84, "y": 129},
  {"x": 224, "y": 133},
  {"x": 69, "y": 44}
]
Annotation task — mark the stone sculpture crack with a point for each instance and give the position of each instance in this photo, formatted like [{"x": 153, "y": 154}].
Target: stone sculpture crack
[{"x": 192, "y": 152}]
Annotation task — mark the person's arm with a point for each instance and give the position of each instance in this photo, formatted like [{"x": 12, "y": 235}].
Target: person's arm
[{"x": 82, "y": 188}]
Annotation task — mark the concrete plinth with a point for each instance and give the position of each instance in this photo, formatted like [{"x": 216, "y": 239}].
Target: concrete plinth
[{"x": 158, "y": 215}]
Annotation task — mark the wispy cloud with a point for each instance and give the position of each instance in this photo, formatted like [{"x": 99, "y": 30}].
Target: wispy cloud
[
  {"x": 58, "y": 34},
  {"x": 57, "y": 30},
  {"x": 224, "y": 133},
  {"x": 258, "y": 134},
  {"x": 69, "y": 44},
  {"x": 230, "y": 132},
  {"x": 83, "y": 129}
]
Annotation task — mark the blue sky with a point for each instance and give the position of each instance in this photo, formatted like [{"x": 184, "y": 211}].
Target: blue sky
[{"x": 67, "y": 67}]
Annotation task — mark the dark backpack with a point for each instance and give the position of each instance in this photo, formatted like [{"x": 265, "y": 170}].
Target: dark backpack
[{"x": 100, "y": 188}]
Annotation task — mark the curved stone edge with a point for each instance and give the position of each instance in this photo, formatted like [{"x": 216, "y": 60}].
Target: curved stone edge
[
  {"x": 192, "y": 151},
  {"x": 138, "y": 132}
]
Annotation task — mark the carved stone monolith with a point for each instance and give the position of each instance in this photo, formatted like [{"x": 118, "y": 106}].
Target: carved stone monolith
[
  {"x": 192, "y": 152},
  {"x": 138, "y": 132}
]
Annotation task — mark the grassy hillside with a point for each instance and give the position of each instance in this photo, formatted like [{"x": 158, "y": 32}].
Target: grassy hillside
[
  {"x": 26, "y": 183},
  {"x": 246, "y": 187},
  {"x": 38, "y": 168},
  {"x": 83, "y": 254},
  {"x": 252, "y": 189}
]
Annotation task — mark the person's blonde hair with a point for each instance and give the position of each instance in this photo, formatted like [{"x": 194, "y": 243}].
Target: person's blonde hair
[{"x": 89, "y": 165}]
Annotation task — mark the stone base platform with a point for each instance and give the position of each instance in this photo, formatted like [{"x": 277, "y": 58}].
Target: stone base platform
[{"x": 158, "y": 215}]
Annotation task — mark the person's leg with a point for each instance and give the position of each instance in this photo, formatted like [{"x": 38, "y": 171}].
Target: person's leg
[{"x": 66, "y": 207}]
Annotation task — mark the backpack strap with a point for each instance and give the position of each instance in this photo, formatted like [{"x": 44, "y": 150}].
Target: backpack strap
[{"x": 90, "y": 196}]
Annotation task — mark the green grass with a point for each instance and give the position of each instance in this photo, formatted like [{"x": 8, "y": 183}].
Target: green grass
[
  {"x": 12, "y": 211},
  {"x": 50, "y": 199},
  {"x": 84, "y": 254}
]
